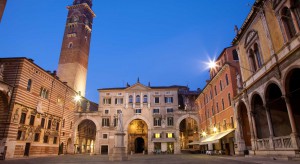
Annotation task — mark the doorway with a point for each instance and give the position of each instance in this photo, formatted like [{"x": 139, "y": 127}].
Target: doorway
[
  {"x": 27, "y": 149},
  {"x": 104, "y": 149},
  {"x": 139, "y": 145}
]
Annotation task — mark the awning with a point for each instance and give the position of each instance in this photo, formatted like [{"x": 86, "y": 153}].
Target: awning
[
  {"x": 194, "y": 143},
  {"x": 215, "y": 138}
]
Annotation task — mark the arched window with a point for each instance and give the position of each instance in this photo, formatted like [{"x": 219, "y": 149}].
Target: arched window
[
  {"x": 227, "y": 80},
  {"x": 296, "y": 9},
  {"x": 257, "y": 55},
  {"x": 229, "y": 99},
  {"x": 70, "y": 45},
  {"x": 216, "y": 90},
  {"x": 130, "y": 99},
  {"x": 138, "y": 99},
  {"x": 221, "y": 87},
  {"x": 29, "y": 85},
  {"x": 252, "y": 60},
  {"x": 235, "y": 55},
  {"x": 288, "y": 23},
  {"x": 145, "y": 100}
]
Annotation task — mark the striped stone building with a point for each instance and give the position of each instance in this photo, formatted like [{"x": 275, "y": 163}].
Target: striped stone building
[{"x": 37, "y": 110}]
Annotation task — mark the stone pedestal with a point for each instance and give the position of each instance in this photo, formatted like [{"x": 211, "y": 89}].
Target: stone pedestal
[
  {"x": 119, "y": 151},
  {"x": 118, "y": 154}
]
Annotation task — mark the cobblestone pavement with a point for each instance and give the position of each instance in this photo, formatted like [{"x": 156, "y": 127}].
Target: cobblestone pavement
[{"x": 145, "y": 159}]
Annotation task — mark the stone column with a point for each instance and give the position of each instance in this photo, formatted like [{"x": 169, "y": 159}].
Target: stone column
[
  {"x": 241, "y": 146},
  {"x": 251, "y": 123},
  {"x": 97, "y": 143},
  {"x": 270, "y": 125},
  {"x": 294, "y": 135}
]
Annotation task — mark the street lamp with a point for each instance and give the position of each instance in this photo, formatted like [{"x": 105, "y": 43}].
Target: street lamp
[
  {"x": 204, "y": 134},
  {"x": 215, "y": 129}
]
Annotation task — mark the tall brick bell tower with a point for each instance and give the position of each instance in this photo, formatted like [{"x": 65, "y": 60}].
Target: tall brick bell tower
[{"x": 73, "y": 61}]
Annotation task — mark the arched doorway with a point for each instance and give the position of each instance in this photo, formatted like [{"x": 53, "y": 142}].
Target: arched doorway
[
  {"x": 244, "y": 125},
  {"x": 260, "y": 117},
  {"x": 137, "y": 136},
  {"x": 139, "y": 145},
  {"x": 69, "y": 146},
  {"x": 278, "y": 111},
  {"x": 292, "y": 87},
  {"x": 188, "y": 132},
  {"x": 85, "y": 134}
]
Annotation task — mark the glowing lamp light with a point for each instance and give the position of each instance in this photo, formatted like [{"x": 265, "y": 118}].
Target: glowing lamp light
[
  {"x": 204, "y": 134},
  {"x": 215, "y": 129},
  {"x": 77, "y": 98},
  {"x": 212, "y": 64}
]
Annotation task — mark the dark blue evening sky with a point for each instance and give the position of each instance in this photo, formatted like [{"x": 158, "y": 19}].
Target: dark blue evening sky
[{"x": 165, "y": 42}]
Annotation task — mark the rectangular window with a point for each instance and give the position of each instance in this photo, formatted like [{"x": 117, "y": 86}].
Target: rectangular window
[
  {"x": 106, "y": 111},
  {"x": 138, "y": 111},
  {"x": 232, "y": 122},
  {"x": 212, "y": 111},
  {"x": 105, "y": 136},
  {"x": 23, "y": 118},
  {"x": 170, "y": 135},
  {"x": 57, "y": 126},
  {"x": 19, "y": 135},
  {"x": 169, "y": 110},
  {"x": 105, "y": 122},
  {"x": 156, "y": 100},
  {"x": 43, "y": 123},
  {"x": 54, "y": 140},
  {"x": 118, "y": 101},
  {"x": 45, "y": 140},
  {"x": 44, "y": 93},
  {"x": 168, "y": 100},
  {"x": 49, "y": 124},
  {"x": 36, "y": 137},
  {"x": 229, "y": 99},
  {"x": 115, "y": 122},
  {"x": 217, "y": 107},
  {"x": 155, "y": 111},
  {"x": 170, "y": 121},
  {"x": 157, "y": 121},
  {"x": 224, "y": 125},
  {"x": 31, "y": 122},
  {"x": 223, "y": 107},
  {"x": 107, "y": 101},
  {"x": 29, "y": 85},
  {"x": 157, "y": 135},
  {"x": 216, "y": 90}
]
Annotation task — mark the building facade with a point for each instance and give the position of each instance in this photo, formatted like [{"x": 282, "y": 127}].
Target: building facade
[
  {"x": 267, "y": 107},
  {"x": 154, "y": 120},
  {"x": 74, "y": 56},
  {"x": 37, "y": 110},
  {"x": 216, "y": 110},
  {"x": 2, "y": 7}
]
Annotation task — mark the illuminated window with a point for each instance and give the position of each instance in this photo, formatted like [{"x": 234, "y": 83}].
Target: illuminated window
[
  {"x": 170, "y": 135},
  {"x": 157, "y": 135}
]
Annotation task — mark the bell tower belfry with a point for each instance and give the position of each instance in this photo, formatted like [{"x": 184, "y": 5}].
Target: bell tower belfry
[{"x": 73, "y": 61}]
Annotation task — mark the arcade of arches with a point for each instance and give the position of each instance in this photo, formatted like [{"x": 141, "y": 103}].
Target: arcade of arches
[
  {"x": 188, "y": 132},
  {"x": 137, "y": 136},
  {"x": 273, "y": 120},
  {"x": 85, "y": 138}
]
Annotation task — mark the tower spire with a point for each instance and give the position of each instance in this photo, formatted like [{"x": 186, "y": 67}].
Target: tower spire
[{"x": 74, "y": 56}]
